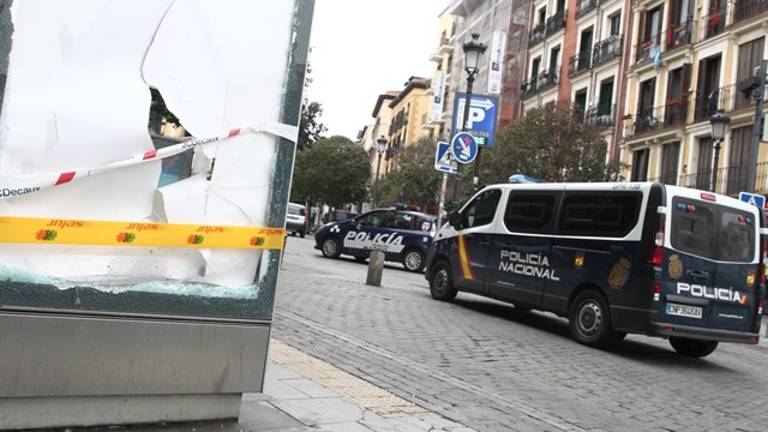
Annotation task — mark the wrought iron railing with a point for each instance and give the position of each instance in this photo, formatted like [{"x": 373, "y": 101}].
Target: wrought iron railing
[
  {"x": 601, "y": 116},
  {"x": 679, "y": 35},
  {"x": 556, "y": 21},
  {"x": 745, "y": 9},
  {"x": 648, "y": 48},
  {"x": 539, "y": 82},
  {"x": 579, "y": 62},
  {"x": 671, "y": 114},
  {"x": 712, "y": 24},
  {"x": 727, "y": 98},
  {"x": 584, "y": 6},
  {"x": 606, "y": 50},
  {"x": 536, "y": 35},
  {"x": 730, "y": 179}
]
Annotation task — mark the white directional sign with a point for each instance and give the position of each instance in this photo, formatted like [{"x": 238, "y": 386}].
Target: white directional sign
[{"x": 444, "y": 161}]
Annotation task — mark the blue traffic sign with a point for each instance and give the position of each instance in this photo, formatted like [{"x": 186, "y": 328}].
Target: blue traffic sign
[
  {"x": 444, "y": 161},
  {"x": 464, "y": 147},
  {"x": 756, "y": 200},
  {"x": 482, "y": 117}
]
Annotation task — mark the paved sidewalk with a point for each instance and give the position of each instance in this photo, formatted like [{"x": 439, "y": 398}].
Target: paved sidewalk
[{"x": 302, "y": 393}]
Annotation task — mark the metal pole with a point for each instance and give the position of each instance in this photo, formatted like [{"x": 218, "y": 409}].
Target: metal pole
[
  {"x": 716, "y": 164},
  {"x": 756, "y": 127},
  {"x": 376, "y": 183},
  {"x": 464, "y": 127},
  {"x": 441, "y": 206}
]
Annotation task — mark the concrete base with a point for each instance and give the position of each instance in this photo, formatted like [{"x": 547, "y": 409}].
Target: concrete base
[{"x": 34, "y": 412}]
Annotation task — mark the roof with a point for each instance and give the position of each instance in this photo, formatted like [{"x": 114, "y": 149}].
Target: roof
[
  {"x": 391, "y": 94},
  {"x": 413, "y": 82}
]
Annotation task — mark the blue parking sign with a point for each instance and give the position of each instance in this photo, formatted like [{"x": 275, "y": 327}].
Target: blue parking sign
[{"x": 482, "y": 117}]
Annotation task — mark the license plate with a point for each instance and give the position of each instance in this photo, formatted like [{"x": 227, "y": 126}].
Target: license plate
[{"x": 684, "y": 310}]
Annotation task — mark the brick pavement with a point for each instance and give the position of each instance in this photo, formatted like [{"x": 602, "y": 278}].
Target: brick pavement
[{"x": 493, "y": 368}]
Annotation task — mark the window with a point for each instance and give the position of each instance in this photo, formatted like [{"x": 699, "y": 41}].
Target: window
[
  {"x": 481, "y": 210},
  {"x": 580, "y": 103},
  {"x": 535, "y": 67},
  {"x": 375, "y": 219},
  {"x": 709, "y": 231},
  {"x": 652, "y": 24},
  {"x": 738, "y": 159},
  {"x": 529, "y": 213},
  {"x": 750, "y": 55},
  {"x": 554, "y": 57},
  {"x": 669, "y": 158},
  {"x": 403, "y": 221},
  {"x": 542, "y": 15},
  {"x": 704, "y": 164},
  {"x": 607, "y": 214},
  {"x": 640, "y": 165},
  {"x": 614, "y": 23},
  {"x": 605, "y": 101}
]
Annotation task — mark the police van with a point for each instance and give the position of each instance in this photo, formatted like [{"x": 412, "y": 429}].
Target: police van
[
  {"x": 614, "y": 258},
  {"x": 403, "y": 236}
]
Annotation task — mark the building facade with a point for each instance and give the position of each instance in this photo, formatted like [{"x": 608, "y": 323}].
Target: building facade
[
  {"x": 687, "y": 59},
  {"x": 409, "y": 111},
  {"x": 382, "y": 115},
  {"x": 441, "y": 90},
  {"x": 501, "y": 25}
]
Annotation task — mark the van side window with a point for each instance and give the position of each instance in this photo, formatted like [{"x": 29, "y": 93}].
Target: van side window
[
  {"x": 403, "y": 221},
  {"x": 481, "y": 210},
  {"x": 527, "y": 213},
  {"x": 612, "y": 214},
  {"x": 376, "y": 219}
]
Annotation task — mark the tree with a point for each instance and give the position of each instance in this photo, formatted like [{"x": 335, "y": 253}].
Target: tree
[
  {"x": 551, "y": 144},
  {"x": 310, "y": 128},
  {"x": 417, "y": 181},
  {"x": 334, "y": 170}
]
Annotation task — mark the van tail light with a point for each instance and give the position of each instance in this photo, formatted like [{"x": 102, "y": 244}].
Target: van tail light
[
  {"x": 657, "y": 253},
  {"x": 763, "y": 261},
  {"x": 760, "y": 306},
  {"x": 656, "y": 291}
]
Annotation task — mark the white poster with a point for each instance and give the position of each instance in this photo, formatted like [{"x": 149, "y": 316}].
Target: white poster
[
  {"x": 498, "y": 47},
  {"x": 438, "y": 94}
]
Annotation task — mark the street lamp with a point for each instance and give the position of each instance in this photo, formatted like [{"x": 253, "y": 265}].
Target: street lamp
[
  {"x": 381, "y": 146},
  {"x": 473, "y": 49},
  {"x": 719, "y": 122}
]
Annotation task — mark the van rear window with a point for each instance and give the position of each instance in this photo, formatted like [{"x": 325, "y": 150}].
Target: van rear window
[{"x": 712, "y": 231}]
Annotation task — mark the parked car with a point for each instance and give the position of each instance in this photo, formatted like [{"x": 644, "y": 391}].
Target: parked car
[
  {"x": 295, "y": 220},
  {"x": 404, "y": 236}
]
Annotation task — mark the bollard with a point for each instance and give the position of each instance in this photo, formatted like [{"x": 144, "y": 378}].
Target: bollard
[{"x": 375, "y": 268}]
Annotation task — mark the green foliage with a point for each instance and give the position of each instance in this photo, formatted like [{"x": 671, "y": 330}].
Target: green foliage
[
  {"x": 550, "y": 144},
  {"x": 334, "y": 170},
  {"x": 310, "y": 128},
  {"x": 417, "y": 181}
]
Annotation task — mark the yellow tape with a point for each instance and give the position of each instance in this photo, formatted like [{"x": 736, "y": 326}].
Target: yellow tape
[{"x": 108, "y": 233}]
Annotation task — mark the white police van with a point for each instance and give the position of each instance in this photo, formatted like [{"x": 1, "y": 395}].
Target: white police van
[{"x": 615, "y": 258}]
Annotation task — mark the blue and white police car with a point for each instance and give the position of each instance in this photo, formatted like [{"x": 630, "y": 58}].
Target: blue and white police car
[{"x": 404, "y": 236}]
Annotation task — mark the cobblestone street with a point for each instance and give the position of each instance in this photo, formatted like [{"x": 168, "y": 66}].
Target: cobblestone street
[{"x": 493, "y": 368}]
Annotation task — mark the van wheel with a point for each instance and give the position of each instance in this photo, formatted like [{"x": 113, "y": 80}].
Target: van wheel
[
  {"x": 413, "y": 260},
  {"x": 331, "y": 248},
  {"x": 692, "y": 347},
  {"x": 440, "y": 282},
  {"x": 590, "y": 320}
]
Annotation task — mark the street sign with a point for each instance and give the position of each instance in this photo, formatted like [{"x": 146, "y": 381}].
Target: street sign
[
  {"x": 482, "y": 117},
  {"x": 444, "y": 161},
  {"x": 464, "y": 147},
  {"x": 756, "y": 200}
]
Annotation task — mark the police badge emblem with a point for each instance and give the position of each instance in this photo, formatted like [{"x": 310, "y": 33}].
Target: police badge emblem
[
  {"x": 675, "y": 267},
  {"x": 619, "y": 274}
]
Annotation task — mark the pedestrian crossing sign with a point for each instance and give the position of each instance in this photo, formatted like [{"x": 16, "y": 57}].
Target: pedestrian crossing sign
[
  {"x": 756, "y": 200},
  {"x": 444, "y": 161}
]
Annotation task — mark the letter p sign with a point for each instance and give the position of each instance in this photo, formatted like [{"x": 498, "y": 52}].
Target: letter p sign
[{"x": 476, "y": 115}]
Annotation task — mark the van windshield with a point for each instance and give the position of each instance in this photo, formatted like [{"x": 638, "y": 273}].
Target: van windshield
[{"x": 711, "y": 231}]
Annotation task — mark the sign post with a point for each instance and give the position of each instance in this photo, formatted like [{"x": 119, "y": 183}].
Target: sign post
[{"x": 446, "y": 164}]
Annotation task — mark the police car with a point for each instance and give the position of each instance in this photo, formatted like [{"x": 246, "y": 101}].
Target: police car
[
  {"x": 403, "y": 236},
  {"x": 614, "y": 258}
]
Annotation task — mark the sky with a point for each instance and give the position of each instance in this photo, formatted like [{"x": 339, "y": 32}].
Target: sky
[{"x": 361, "y": 48}]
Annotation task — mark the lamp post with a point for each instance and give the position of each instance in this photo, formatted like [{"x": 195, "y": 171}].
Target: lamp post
[
  {"x": 719, "y": 122},
  {"x": 381, "y": 145},
  {"x": 472, "y": 52},
  {"x": 473, "y": 49}
]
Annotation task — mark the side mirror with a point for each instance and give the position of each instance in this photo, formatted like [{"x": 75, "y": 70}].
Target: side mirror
[{"x": 454, "y": 219}]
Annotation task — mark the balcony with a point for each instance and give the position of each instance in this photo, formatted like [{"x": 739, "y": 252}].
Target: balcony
[
  {"x": 746, "y": 9},
  {"x": 584, "y": 6},
  {"x": 579, "y": 62},
  {"x": 661, "y": 117},
  {"x": 712, "y": 24},
  {"x": 607, "y": 50},
  {"x": 536, "y": 35},
  {"x": 556, "y": 22},
  {"x": 730, "y": 180},
  {"x": 601, "y": 116},
  {"x": 680, "y": 35},
  {"x": 648, "y": 48},
  {"x": 727, "y": 98},
  {"x": 539, "y": 83}
]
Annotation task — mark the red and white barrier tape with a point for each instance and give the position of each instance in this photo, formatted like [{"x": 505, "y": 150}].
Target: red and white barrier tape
[{"x": 23, "y": 185}]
